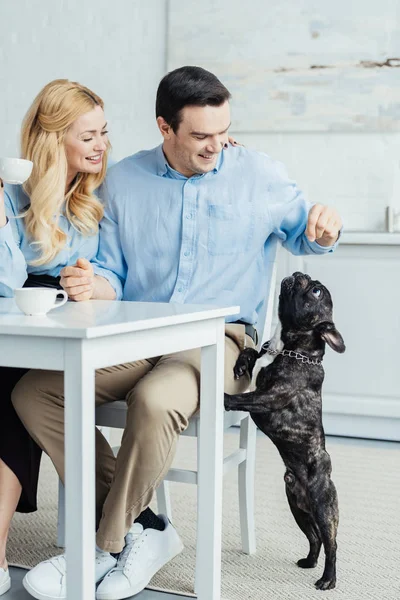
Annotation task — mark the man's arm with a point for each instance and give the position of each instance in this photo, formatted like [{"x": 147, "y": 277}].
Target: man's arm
[
  {"x": 303, "y": 228},
  {"x": 323, "y": 225}
]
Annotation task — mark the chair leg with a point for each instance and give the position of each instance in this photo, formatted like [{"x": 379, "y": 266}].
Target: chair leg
[
  {"x": 61, "y": 516},
  {"x": 61, "y": 501},
  {"x": 197, "y": 570},
  {"x": 248, "y": 438},
  {"x": 164, "y": 499}
]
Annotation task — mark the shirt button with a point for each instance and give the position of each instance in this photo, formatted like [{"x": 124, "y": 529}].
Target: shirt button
[
  {"x": 180, "y": 289},
  {"x": 189, "y": 216},
  {"x": 186, "y": 253}
]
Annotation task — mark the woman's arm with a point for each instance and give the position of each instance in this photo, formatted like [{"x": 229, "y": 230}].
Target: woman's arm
[
  {"x": 3, "y": 218},
  {"x": 13, "y": 271}
]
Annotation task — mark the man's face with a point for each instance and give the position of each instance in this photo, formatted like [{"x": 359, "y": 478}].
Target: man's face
[{"x": 200, "y": 137}]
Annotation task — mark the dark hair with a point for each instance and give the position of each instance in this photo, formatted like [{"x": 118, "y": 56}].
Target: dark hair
[{"x": 188, "y": 86}]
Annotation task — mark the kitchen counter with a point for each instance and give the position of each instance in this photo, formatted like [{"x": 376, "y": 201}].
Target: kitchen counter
[{"x": 375, "y": 238}]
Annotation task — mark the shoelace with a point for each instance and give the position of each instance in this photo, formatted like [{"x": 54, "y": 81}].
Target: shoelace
[
  {"x": 126, "y": 556},
  {"x": 59, "y": 563}
]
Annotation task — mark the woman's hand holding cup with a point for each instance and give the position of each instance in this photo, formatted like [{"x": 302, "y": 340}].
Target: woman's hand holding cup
[
  {"x": 3, "y": 218},
  {"x": 14, "y": 171}
]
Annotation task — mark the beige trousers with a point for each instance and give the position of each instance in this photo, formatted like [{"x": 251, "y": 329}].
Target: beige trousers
[{"x": 161, "y": 394}]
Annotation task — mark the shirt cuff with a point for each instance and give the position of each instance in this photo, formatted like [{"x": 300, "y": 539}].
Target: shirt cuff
[
  {"x": 318, "y": 249},
  {"x": 112, "y": 279}
]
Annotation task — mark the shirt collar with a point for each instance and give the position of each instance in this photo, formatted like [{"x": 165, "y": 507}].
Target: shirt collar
[{"x": 163, "y": 168}]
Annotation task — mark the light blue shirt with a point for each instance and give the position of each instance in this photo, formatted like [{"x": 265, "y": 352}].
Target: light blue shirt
[
  {"x": 208, "y": 239},
  {"x": 16, "y": 250}
]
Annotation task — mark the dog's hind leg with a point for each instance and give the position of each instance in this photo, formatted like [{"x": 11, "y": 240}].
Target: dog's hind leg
[
  {"x": 310, "y": 529},
  {"x": 325, "y": 509}
]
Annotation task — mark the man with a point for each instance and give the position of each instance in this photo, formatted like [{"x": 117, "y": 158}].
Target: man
[{"x": 190, "y": 221}]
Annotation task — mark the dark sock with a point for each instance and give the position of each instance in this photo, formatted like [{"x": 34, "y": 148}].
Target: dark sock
[{"x": 149, "y": 520}]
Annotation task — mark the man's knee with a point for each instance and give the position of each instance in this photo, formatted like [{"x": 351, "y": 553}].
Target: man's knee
[{"x": 160, "y": 404}]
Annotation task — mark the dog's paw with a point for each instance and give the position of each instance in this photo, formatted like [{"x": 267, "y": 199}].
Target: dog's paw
[
  {"x": 241, "y": 367},
  {"x": 245, "y": 363},
  {"x": 307, "y": 563},
  {"x": 227, "y": 402},
  {"x": 325, "y": 583}
]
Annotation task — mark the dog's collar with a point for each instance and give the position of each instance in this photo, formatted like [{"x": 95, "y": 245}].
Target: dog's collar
[{"x": 291, "y": 354}]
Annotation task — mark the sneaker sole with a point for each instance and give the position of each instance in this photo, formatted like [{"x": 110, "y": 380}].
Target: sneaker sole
[
  {"x": 39, "y": 596},
  {"x": 140, "y": 585},
  {"x": 4, "y": 587},
  {"x": 31, "y": 590}
]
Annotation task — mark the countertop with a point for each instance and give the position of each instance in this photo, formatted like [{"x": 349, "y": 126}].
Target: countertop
[{"x": 375, "y": 238}]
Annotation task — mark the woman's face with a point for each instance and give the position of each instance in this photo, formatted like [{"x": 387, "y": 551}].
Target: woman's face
[{"x": 85, "y": 143}]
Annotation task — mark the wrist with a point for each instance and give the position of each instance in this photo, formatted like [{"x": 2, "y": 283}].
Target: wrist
[
  {"x": 102, "y": 289},
  {"x": 3, "y": 218},
  {"x": 94, "y": 288},
  {"x": 327, "y": 242}
]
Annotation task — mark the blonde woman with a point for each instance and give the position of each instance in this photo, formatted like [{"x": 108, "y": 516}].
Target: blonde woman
[{"x": 45, "y": 225}]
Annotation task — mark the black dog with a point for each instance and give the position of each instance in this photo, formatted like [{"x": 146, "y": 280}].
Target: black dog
[{"x": 287, "y": 406}]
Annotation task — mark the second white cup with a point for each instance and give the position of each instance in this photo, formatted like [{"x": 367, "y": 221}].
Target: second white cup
[
  {"x": 37, "y": 301},
  {"x": 15, "y": 170}
]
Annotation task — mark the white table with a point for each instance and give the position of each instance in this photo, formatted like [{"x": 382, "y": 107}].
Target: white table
[{"x": 80, "y": 338}]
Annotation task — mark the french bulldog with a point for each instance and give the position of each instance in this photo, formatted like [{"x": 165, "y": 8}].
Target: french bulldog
[{"x": 286, "y": 404}]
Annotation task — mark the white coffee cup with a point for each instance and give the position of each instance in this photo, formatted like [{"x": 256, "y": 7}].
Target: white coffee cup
[
  {"x": 37, "y": 301},
  {"x": 15, "y": 170}
]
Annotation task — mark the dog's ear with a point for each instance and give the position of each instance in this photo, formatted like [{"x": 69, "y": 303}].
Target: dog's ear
[{"x": 330, "y": 334}]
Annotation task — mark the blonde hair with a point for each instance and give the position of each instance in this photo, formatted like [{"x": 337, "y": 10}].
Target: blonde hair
[{"x": 48, "y": 119}]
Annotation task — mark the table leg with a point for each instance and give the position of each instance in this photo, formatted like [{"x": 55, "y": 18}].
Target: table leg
[
  {"x": 209, "y": 523},
  {"x": 80, "y": 471}
]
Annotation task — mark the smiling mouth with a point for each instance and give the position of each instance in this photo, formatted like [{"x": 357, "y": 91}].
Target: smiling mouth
[
  {"x": 95, "y": 159},
  {"x": 207, "y": 156}
]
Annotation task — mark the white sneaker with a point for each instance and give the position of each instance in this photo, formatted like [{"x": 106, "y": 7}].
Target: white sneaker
[
  {"x": 47, "y": 581},
  {"x": 145, "y": 552},
  {"x": 5, "y": 581}
]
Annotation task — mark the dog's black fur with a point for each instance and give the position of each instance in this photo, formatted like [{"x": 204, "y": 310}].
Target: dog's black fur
[{"x": 287, "y": 406}]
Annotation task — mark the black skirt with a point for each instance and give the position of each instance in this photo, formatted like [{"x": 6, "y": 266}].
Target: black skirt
[{"x": 17, "y": 449}]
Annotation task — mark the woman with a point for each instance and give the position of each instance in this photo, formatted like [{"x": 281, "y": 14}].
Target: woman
[{"x": 45, "y": 225}]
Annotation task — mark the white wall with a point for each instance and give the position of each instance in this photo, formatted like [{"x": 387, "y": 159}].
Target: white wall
[
  {"x": 116, "y": 48},
  {"x": 336, "y": 129},
  {"x": 357, "y": 173},
  {"x": 309, "y": 88}
]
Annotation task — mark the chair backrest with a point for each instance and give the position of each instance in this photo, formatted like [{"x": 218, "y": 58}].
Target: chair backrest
[{"x": 265, "y": 317}]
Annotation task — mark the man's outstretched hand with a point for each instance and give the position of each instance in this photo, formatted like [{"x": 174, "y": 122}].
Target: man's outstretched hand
[
  {"x": 324, "y": 224},
  {"x": 78, "y": 281}
]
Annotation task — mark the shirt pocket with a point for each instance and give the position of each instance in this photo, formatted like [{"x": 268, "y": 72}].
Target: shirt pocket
[{"x": 230, "y": 228}]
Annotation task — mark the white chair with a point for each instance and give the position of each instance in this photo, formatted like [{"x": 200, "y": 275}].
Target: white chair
[{"x": 113, "y": 415}]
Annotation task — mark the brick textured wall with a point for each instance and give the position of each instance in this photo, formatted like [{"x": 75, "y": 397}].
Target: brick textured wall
[
  {"x": 121, "y": 49},
  {"x": 117, "y": 48}
]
